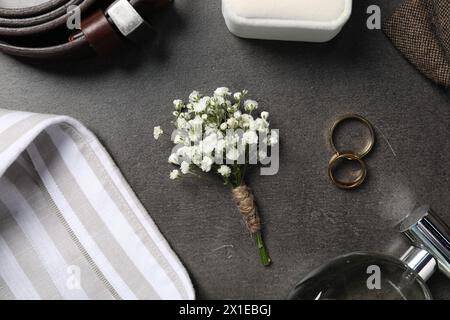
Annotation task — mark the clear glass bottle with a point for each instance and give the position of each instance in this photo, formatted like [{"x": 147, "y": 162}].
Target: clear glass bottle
[{"x": 362, "y": 276}]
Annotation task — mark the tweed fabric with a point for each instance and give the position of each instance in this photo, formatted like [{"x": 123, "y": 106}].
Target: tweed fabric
[{"x": 420, "y": 30}]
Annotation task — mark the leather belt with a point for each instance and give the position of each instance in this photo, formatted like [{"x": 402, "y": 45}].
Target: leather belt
[{"x": 42, "y": 32}]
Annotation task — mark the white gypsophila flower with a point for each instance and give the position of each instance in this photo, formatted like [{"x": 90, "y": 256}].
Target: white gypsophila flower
[
  {"x": 250, "y": 105},
  {"x": 220, "y": 146},
  {"x": 196, "y": 155},
  {"x": 194, "y": 96},
  {"x": 157, "y": 132},
  {"x": 217, "y": 128},
  {"x": 199, "y": 107},
  {"x": 197, "y": 122},
  {"x": 178, "y": 139},
  {"x": 232, "y": 123},
  {"x": 190, "y": 154},
  {"x": 210, "y": 130},
  {"x": 224, "y": 171},
  {"x": 219, "y": 101},
  {"x": 202, "y": 104},
  {"x": 250, "y": 137},
  {"x": 232, "y": 108},
  {"x": 206, "y": 164},
  {"x": 181, "y": 152},
  {"x": 260, "y": 125},
  {"x": 265, "y": 115},
  {"x": 194, "y": 136},
  {"x": 237, "y": 96},
  {"x": 174, "y": 174},
  {"x": 184, "y": 167},
  {"x": 209, "y": 143},
  {"x": 178, "y": 104},
  {"x": 219, "y": 134},
  {"x": 231, "y": 140},
  {"x": 182, "y": 124},
  {"x": 173, "y": 158},
  {"x": 206, "y": 100},
  {"x": 273, "y": 140},
  {"x": 232, "y": 154},
  {"x": 196, "y": 128},
  {"x": 253, "y": 125},
  {"x": 246, "y": 120},
  {"x": 187, "y": 115},
  {"x": 262, "y": 155},
  {"x": 186, "y": 140},
  {"x": 222, "y": 92}
]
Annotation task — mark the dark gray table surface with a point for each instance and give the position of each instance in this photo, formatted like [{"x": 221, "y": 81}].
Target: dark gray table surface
[{"x": 304, "y": 86}]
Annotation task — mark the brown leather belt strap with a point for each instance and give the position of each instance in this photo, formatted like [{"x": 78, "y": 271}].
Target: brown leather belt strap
[
  {"x": 47, "y": 22},
  {"x": 100, "y": 33}
]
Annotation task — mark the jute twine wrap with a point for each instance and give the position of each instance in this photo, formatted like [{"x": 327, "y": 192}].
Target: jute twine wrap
[{"x": 243, "y": 197}]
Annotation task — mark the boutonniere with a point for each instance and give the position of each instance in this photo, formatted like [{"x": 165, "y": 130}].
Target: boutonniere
[{"x": 221, "y": 134}]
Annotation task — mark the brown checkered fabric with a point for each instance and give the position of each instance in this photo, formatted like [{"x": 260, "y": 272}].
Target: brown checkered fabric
[{"x": 420, "y": 29}]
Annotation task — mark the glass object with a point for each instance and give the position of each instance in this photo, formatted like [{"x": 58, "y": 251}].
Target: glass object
[
  {"x": 362, "y": 276},
  {"x": 354, "y": 276}
]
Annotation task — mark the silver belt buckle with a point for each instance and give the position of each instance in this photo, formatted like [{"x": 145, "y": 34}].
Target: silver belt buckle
[{"x": 126, "y": 19}]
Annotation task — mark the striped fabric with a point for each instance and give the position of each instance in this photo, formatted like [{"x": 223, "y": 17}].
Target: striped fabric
[{"x": 70, "y": 226}]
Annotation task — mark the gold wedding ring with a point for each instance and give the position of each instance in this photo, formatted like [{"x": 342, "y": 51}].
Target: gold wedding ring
[
  {"x": 360, "y": 119},
  {"x": 347, "y": 155},
  {"x": 347, "y": 184}
]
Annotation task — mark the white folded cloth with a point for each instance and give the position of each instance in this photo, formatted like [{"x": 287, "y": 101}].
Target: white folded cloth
[{"x": 70, "y": 225}]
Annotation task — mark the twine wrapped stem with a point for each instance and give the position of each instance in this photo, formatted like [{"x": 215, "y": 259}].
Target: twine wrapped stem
[{"x": 245, "y": 201}]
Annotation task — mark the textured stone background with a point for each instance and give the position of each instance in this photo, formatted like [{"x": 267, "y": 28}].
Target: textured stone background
[{"x": 304, "y": 87}]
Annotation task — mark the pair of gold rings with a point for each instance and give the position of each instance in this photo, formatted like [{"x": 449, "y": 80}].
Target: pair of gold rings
[{"x": 350, "y": 155}]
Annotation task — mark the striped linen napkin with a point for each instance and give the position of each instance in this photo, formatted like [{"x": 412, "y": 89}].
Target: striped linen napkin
[{"x": 70, "y": 225}]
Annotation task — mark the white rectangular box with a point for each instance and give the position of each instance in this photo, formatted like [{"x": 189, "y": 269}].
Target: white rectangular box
[{"x": 289, "y": 20}]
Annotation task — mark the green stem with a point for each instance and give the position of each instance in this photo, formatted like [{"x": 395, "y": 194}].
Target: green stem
[{"x": 264, "y": 256}]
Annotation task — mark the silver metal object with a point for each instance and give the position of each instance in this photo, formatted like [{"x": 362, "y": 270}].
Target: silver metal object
[
  {"x": 421, "y": 261},
  {"x": 125, "y": 17},
  {"x": 429, "y": 233}
]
